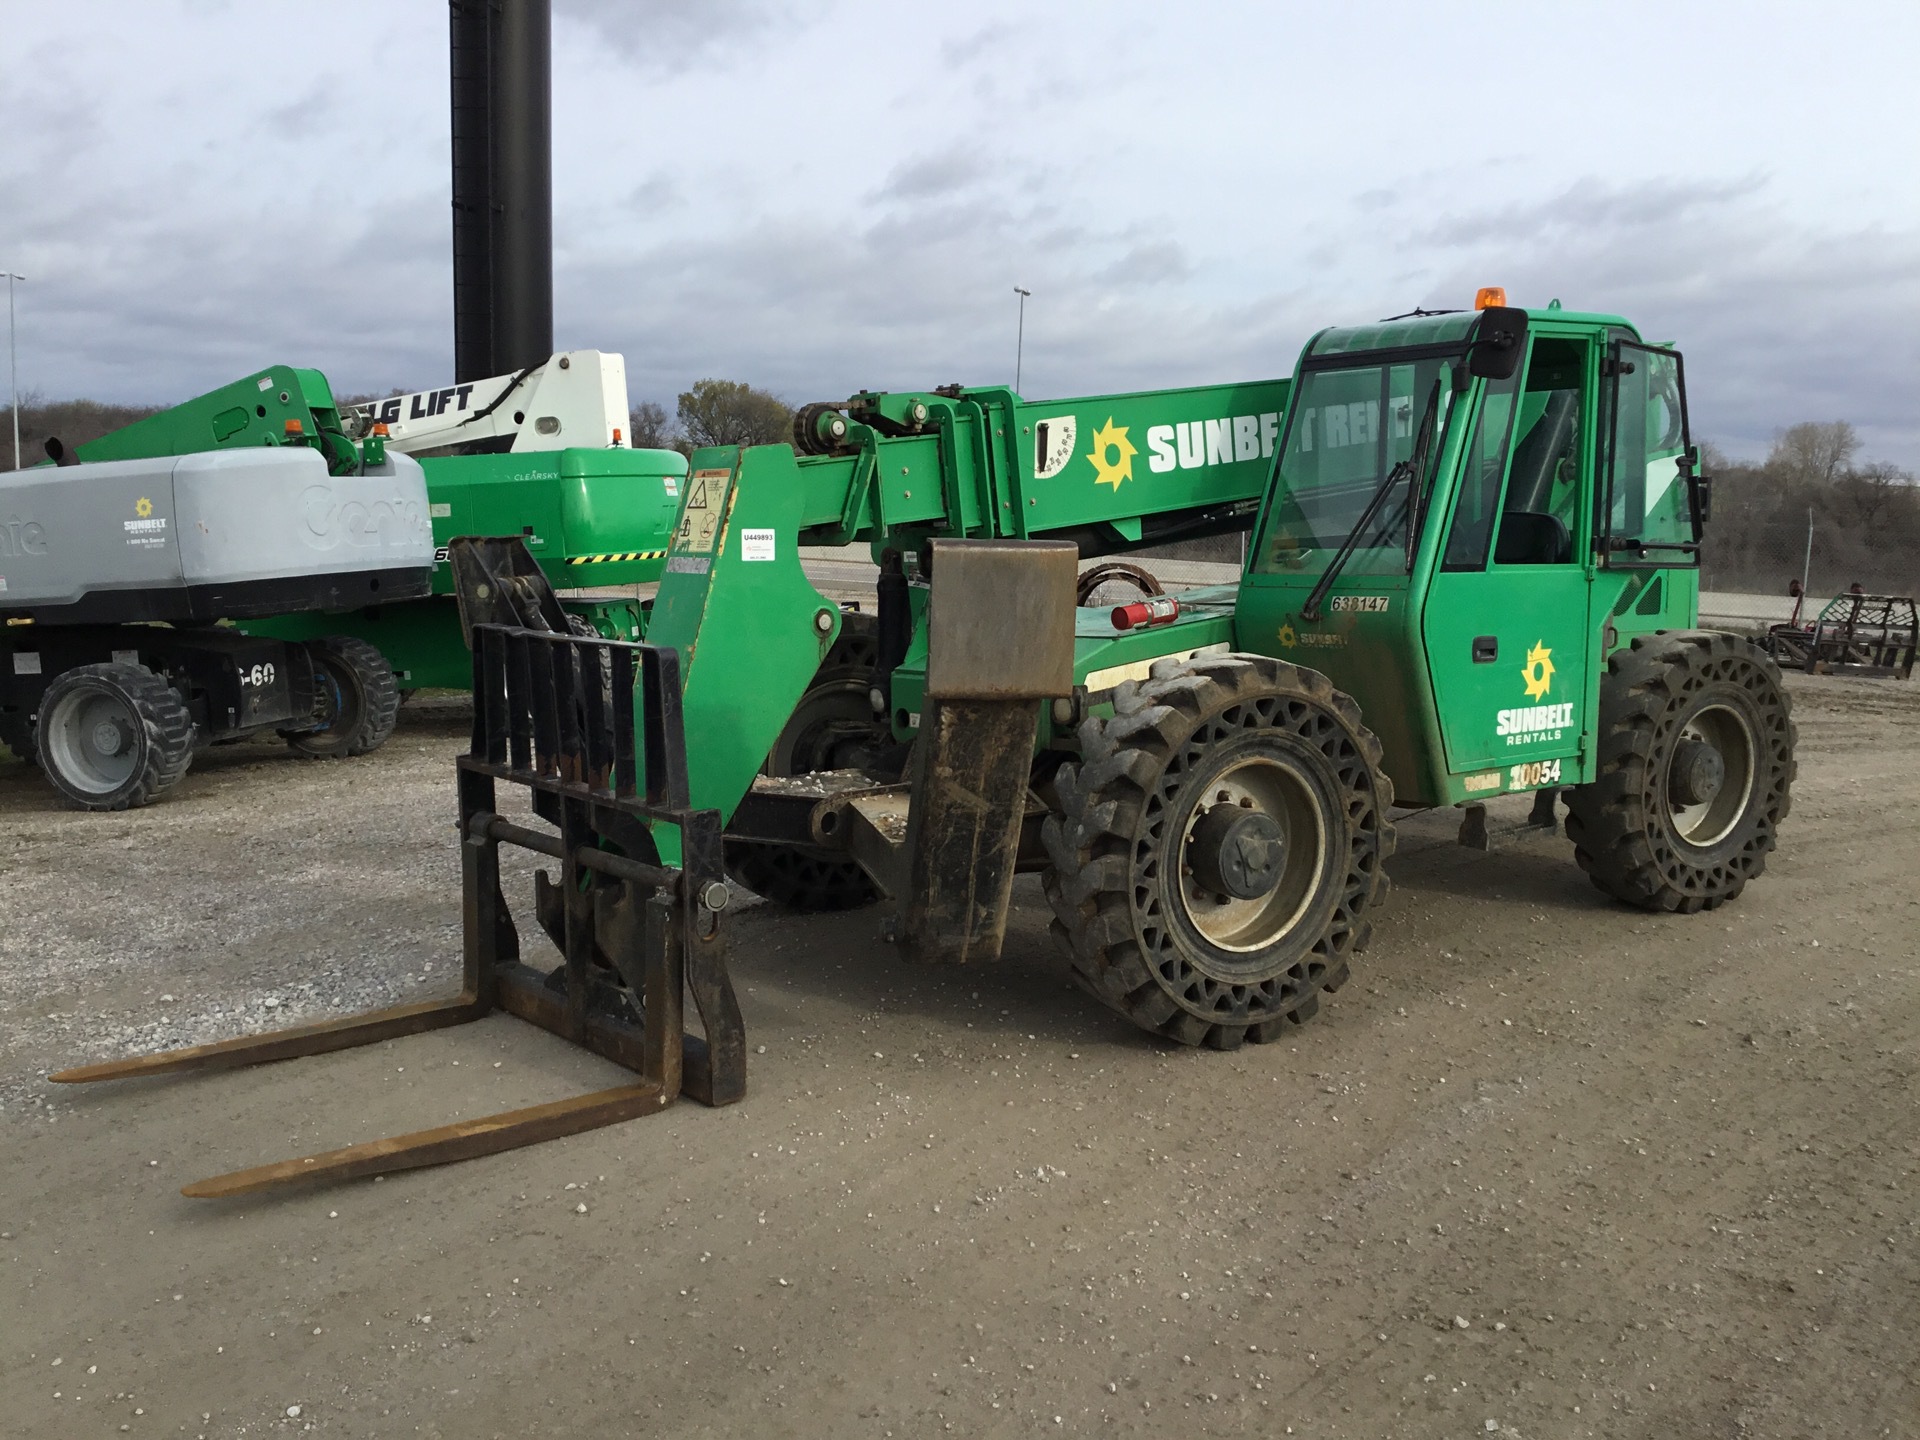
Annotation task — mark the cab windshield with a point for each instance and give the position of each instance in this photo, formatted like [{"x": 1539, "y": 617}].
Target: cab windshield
[{"x": 1351, "y": 425}]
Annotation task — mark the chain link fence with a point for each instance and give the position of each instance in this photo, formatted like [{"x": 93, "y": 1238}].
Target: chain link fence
[
  {"x": 1763, "y": 554},
  {"x": 1804, "y": 517}
]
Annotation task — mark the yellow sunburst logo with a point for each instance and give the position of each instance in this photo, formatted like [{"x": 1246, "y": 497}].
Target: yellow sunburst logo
[
  {"x": 143, "y": 507},
  {"x": 1539, "y": 671},
  {"x": 1289, "y": 637},
  {"x": 1118, "y": 465}
]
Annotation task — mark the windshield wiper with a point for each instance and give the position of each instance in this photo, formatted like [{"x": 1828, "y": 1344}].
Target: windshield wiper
[{"x": 1410, "y": 470}]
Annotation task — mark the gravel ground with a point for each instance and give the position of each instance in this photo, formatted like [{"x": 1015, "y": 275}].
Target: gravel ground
[{"x": 1547, "y": 1168}]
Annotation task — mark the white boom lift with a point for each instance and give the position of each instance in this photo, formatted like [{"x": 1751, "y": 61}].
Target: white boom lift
[{"x": 574, "y": 398}]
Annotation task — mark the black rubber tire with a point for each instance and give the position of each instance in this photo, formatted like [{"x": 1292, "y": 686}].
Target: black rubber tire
[
  {"x": 159, "y": 740},
  {"x": 857, "y": 646},
  {"x": 1142, "y": 776},
  {"x": 1623, "y": 825},
  {"x": 581, "y": 626},
  {"x": 365, "y": 700},
  {"x": 1115, "y": 572},
  {"x": 800, "y": 878}
]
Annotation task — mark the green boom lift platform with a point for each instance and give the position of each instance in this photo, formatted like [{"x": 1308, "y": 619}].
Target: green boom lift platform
[
  {"x": 540, "y": 454},
  {"x": 594, "y": 519},
  {"x": 1472, "y": 572}
]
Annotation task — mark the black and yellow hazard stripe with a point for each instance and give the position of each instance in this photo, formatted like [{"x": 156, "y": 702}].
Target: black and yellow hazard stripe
[{"x": 625, "y": 555}]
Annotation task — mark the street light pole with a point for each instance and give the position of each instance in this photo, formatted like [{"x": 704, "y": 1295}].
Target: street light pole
[
  {"x": 1020, "y": 342},
  {"x": 13, "y": 367},
  {"x": 1806, "y": 566}
]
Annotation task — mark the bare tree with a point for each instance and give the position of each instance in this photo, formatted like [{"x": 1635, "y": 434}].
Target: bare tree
[
  {"x": 1882, "y": 494},
  {"x": 732, "y": 412},
  {"x": 1811, "y": 505},
  {"x": 1813, "y": 452},
  {"x": 649, "y": 428},
  {"x": 73, "y": 422}
]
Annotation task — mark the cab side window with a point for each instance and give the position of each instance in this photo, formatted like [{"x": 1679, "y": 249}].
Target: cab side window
[
  {"x": 1482, "y": 472},
  {"x": 1540, "y": 514},
  {"x": 1650, "y": 503}
]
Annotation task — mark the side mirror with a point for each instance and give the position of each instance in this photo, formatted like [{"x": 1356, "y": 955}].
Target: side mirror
[{"x": 1498, "y": 344}]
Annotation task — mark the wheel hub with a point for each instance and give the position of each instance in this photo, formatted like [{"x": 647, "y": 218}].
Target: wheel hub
[
  {"x": 1237, "y": 852},
  {"x": 1710, "y": 778},
  {"x": 92, "y": 738},
  {"x": 1698, "y": 773},
  {"x": 108, "y": 738},
  {"x": 1251, "y": 853}
]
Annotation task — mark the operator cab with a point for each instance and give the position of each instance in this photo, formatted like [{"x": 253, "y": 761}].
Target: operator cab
[{"x": 1494, "y": 500}]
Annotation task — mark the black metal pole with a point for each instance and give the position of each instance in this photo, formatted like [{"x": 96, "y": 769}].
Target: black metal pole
[
  {"x": 502, "y": 103},
  {"x": 471, "y": 49},
  {"x": 523, "y": 184}
]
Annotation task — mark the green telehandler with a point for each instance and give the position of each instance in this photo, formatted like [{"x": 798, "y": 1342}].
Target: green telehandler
[{"x": 1472, "y": 571}]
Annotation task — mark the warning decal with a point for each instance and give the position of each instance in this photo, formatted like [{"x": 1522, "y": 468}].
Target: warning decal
[{"x": 706, "y": 507}]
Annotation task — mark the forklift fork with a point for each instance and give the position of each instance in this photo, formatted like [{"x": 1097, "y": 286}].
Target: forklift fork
[{"x": 635, "y": 935}]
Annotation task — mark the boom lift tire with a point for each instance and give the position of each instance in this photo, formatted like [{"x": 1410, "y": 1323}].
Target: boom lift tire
[
  {"x": 799, "y": 879},
  {"x": 359, "y": 697},
  {"x": 834, "y": 710},
  {"x": 1695, "y": 772},
  {"x": 583, "y": 627},
  {"x": 1219, "y": 845},
  {"x": 112, "y": 737}
]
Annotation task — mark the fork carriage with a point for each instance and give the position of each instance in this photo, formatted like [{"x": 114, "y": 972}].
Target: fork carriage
[{"x": 554, "y": 712}]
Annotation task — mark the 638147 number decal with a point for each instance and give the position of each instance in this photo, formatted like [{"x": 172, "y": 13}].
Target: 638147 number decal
[{"x": 1533, "y": 775}]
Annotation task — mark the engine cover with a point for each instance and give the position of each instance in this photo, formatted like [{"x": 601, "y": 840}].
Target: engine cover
[{"x": 213, "y": 535}]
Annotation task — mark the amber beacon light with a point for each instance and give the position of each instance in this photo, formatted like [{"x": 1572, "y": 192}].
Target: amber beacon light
[{"x": 1488, "y": 296}]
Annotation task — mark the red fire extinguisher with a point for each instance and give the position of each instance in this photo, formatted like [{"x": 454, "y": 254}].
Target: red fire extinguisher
[{"x": 1141, "y": 614}]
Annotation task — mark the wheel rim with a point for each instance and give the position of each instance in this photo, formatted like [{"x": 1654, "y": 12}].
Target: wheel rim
[
  {"x": 832, "y": 728},
  {"x": 1727, "y": 732},
  {"x": 337, "y": 692},
  {"x": 1262, "y": 786},
  {"x": 93, "y": 737}
]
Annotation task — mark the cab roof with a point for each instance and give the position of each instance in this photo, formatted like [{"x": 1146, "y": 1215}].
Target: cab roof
[{"x": 1445, "y": 328}]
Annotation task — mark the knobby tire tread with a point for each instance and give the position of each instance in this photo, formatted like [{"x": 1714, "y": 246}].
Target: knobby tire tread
[
  {"x": 168, "y": 740},
  {"x": 1617, "y": 822},
  {"x": 379, "y": 701},
  {"x": 1093, "y": 844}
]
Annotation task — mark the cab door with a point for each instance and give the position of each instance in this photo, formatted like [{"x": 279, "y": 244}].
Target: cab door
[{"x": 1505, "y": 622}]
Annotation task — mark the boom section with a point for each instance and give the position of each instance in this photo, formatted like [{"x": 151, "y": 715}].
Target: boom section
[
  {"x": 1109, "y": 472},
  {"x": 281, "y": 405},
  {"x": 896, "y": 471}
]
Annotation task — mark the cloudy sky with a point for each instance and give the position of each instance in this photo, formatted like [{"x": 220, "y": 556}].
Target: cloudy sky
[{"x": 819, "y": 197}]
